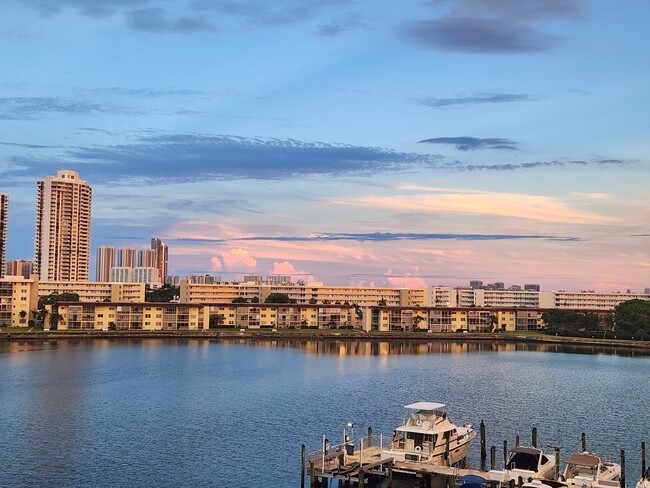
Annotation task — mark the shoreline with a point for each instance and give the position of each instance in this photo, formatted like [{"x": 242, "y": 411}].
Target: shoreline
[{"x": 328, "y": 336}]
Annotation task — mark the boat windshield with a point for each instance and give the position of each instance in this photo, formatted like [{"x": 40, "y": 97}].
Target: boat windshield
[{"x": 575, "y": 470}]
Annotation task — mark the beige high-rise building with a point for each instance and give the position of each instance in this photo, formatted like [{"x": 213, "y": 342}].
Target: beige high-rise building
[
  {"x": 147, "y": 258},
  {"x": 4, "y": 206},
  {"x": 126, "y": 257},
  {"x": 105, "y": 261},
  {"x": 62, "y": 234},
  {"x": 162, "y": 256}
]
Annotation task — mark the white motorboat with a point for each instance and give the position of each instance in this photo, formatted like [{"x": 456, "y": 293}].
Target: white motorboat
[
  {"x": 645, "y": 481},
  {"x": 587, "y": 470},
  {"x": 427, "y": 436},
  {"x": 529, "y": 463}
]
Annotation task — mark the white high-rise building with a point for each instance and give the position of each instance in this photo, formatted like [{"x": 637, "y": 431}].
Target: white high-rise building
[
  {"x": 4, "y": 207},
  {"x": 105, "y": 261},
  {"x": 62, "y": 234}
]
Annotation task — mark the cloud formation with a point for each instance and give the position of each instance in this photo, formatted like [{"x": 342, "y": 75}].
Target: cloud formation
[
  {"x": 20, "y": 108},
  {"x": 503, "y": 26},
  {"x": 156, "y": 20},
  {"x": 477, "y": 99},
  {"x": 472, "y": 143}
]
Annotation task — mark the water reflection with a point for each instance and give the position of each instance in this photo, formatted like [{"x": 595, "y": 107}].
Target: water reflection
[{"x": 334, "y": 347}]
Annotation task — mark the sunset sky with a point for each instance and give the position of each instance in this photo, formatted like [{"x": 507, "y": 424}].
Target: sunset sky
[{"x": 364, "y": 142}]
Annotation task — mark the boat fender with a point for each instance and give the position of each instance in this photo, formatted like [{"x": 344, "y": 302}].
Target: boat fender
[
  {"x": 418, "y": 422},
  {"x": 418, "y": 448}
]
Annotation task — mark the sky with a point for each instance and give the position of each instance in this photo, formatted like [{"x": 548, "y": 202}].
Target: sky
[{"x": 352, "y": 142}]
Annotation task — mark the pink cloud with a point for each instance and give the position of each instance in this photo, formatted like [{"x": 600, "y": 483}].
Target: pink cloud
[
  {"x": 407, "y": 282},
  {"x": 286, "y": 268},
  {"x": 238, "y": 257},
  {"x": 216, "y": 263}
]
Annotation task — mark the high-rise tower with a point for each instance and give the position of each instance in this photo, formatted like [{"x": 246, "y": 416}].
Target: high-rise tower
[
  {"x": 105, "y": 261},
  {"x": 4, "y": 206},
  {"x": 62, "y": 235},
  {"x": 161, "y": 257}
]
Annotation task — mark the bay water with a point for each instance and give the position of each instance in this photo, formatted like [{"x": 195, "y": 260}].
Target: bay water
[{"x": 170, "y": 413}]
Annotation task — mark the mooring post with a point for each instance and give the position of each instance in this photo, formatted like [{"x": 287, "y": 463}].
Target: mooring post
[
  {"x": 642, "y": 459},
  {"x": 483, "y": 449},
  {"x": 390, "y": 474},
  {"x": 557, "y": 463},
  {"x": 520, "y": 482},
  {"x": 517, "y": 440},
  {"x": 302, "y": 466},
  {"x": 362, "y": 478},
  {"x": 534, "y": 436},
  {"x": 312, "y": 475},
  {"x": 493, "y": 457},
  {"x": 369, "y": 436},
  {"x": 584, "y": 442},
  {"x": 505, "y": 454},
  {"x": 622, "y": 468},
  {"x": 511, "y": 483}
]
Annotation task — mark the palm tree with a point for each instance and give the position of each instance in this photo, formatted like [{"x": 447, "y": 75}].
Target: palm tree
[
  {"x": 55, "y": 318},
  {"x": 22, "y": 314}
]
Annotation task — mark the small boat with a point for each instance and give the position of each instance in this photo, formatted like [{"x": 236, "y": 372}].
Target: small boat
[
  {"x": 527, "y": 463},
  {"x": 427, "y": 436},
  {"x": 587, "y": 470},
  {"x": 645, "y": 481}
]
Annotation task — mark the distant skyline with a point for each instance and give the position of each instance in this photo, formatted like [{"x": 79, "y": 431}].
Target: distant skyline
[{"x": 346, "y": 141}]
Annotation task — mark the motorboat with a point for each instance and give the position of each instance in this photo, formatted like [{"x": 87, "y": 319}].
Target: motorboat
[
  {"x": 427, "y": 436},
  {"x": 527, "y": 463},
  {"x": 645, "y": 481},
  {"x": 587, "y": 470}
]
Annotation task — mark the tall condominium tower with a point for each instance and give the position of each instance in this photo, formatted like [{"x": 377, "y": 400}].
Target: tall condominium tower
[
  {"x": 4, "y": 206},
  {"x": 62, "y": 235},
  {"x": 147, "y": 258},
  {"x": 105, "y": 261},
  {"x": 126, "y": 257},
  {"x": 162, "y": 252}
]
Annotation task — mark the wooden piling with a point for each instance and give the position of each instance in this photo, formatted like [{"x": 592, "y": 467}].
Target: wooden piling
[
  {"x": 557, "y": 463},
  {"x": 622, "y": 468},
  {"x": 362, "y": 478},
  {"x": 312, "y": 475},
  {"x": 369, "y": 436},
  {"x": 302, "y": 466},
  {"x": 493, "y": 457},
  {"x": 642, "y": 459},
  {"x": 517, "y": 440},
  {"x": 483, "y": 449},
  {"x": 505, "y": 454},
  {"x": 390, "y": 474},
  {"x": 534, "y": 436},
  {"x": 584, "y": 442}
]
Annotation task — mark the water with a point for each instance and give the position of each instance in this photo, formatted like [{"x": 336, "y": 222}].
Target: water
[{"x": 199, "y": 413}]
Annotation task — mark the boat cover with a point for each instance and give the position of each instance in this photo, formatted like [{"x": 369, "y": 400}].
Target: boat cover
[{"x": 428, "y": 406}]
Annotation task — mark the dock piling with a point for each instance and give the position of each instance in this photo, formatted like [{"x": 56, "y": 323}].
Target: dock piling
[
  {"x": 622, "y": 468},
  {"x": 642, "y": 459},
  {"x": 369, "y": 436},
  {"x": 584, "y": 442},
  {"x": 493, "y": 457},
  {"x": 362, "y": 478},
  {"x": 505, "y": 453},
  {"x": 483, "y": 449},
  {"x": 557, "y": 463},
  {"x": 390, "y": 474},
  {"x": 312, "y": 475},
  {"x": 534, "y": 436},
  {"x": 517, "y": 440},
  {"x": 302, "y": 466}
]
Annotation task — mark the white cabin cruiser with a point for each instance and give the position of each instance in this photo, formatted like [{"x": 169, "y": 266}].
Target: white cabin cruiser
[
  {"x": 427, "y": 436},
  {"x": 587, "y": 470},
  {"x": 529, "y": 463}
]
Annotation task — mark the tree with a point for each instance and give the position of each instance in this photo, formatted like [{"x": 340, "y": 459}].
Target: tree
[
  {"x": 239, "y": 300},
  {"x": 22, "y": 314},
  {"x": 165, "y": 293},
  {"x": 277, "y": 298},
  {"x": 55, "y": 319},
  {"x": 633, "y": 317},
  {"x": 55, "y": 297},
  {"x": 416, "y": 321},
  {"x": 313, "y": 301},
  {"x": 216, "y": 320},
  {"x": 382, "y": 302},
  {"x": 255, "y": 300}
]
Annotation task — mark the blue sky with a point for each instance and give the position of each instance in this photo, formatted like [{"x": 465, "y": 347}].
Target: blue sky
[{"x": 405, "y": 143}]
